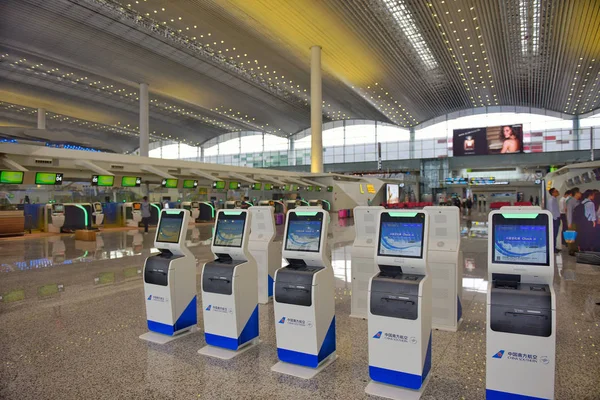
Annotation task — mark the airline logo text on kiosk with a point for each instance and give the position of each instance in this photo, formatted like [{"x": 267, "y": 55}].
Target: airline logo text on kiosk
[
  {"x": 219, "y": 309},
  {"x": 296, "y": 322},
  {"x": 524, "y": 357},
  {"x": 395, "y": 337}
]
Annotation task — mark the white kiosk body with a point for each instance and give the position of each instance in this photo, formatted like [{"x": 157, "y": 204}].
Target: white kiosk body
[
  {"x": 363, "y": 264},
  {"x": 445, "y": 264},
  {"x": 193, "y": 207},
  {"x": 521, "y": 305},
  {"x": 98, "y": 213},
  {"x": 304, "y": 296},
  {"x": 316, "y": 203},
  {"x": 136, "y": 214},
  {"x": 399, "y": 324},
  {"x": 229, "y": 290},
  {"x": 231, "y": 205},
  {"x": 55, "y": 217},
  {"x": 170, "y": 280},
  {"x": 265, "y": 251}
]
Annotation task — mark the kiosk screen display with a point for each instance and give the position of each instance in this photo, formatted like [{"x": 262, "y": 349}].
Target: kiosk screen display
[
  {"x": 304, "y": 232},
  {"x": 137, "y": 206},
  {"x": 98, "y": 207},
  {"x": 230, "y": 230},
  {"x": 521, "y": 241},
  {"x": 401, "y": 236},
  {"x": 58, "y": 208},
  {"x": 169, "y": 228}
]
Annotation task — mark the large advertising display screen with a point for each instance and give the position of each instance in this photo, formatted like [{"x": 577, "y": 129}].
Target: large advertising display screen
[
  {"x": 401, "y": 236},
  {"x": 520, "y": 240},
  {"x": 504, "y": 139},
  {"x": 392, "y": 193}
]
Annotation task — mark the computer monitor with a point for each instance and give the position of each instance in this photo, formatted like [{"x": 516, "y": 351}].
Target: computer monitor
[
  {"x": 304, "y": 231},
  {"x": 401, "y": 236},
  {"x": 58, "y": 208},
  {"x": 230, "y": 229},
  {"x": 169, "y": 228},
  {"x": 521, "y": 239},
  {"x": 98, "y": 207}
]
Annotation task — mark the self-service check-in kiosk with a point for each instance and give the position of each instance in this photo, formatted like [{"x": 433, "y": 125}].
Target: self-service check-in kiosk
[
  {"x": 132, "y": 214},
  {"x": 363, "y": 262},
  {"x": 229, "y": 288},
  {"x": 54, "y": 218},
  {"x": 193, "y": 207},
  {"x": 291, "y": 204},
  {"x": 445, "y": 266},
  {"x": 230, "y": 204},
  {"x": 316, "y": 203},
  {"x": 399, "y": 322},
  {"x": 264, "y": 249},
  {"x": 304, "y": 296},
  {"x": 521, "y": 306},
  {"x": 97, "y": 214},
  {"x": 170, "y": 281}
]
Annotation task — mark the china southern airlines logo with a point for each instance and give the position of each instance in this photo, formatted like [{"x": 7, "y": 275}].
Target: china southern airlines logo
[
  {"x": 282, "y": 320},
  {"x": 208, "y": 308},
  {"x": 378, "y": 335},
  {"x": 150, "y": 297},
  {"x": 498, "y": 354}
]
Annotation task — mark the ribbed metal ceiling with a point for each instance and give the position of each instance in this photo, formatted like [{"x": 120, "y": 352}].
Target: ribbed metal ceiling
[{"x": 220, "y": 65}]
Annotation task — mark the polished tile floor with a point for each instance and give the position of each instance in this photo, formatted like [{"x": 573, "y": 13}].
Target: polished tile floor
[{"x": 71, "y": 313}]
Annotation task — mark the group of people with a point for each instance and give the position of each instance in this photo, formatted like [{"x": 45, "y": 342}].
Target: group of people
[{"x": 579, "y": 212}]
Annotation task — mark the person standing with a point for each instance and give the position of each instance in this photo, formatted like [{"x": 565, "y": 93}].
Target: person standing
[
  {"x": 552, "y": 206},
  {"x": 562, "y": 207},
  {"x": 145, "y": 213},
  {"x": 571, "y": 204},
  {"x": 469, "y": 204},
  {"x": 589, "y": 222},
  {"x": 537, "y": 200}
]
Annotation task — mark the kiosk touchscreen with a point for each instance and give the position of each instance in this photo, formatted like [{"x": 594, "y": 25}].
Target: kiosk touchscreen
[
  {"x": 363, "y": 262},
  {"x": 229, "y": 289},
  {"x": 170, "y": 281},
  {"x": 445, "y": 265},
  {"x": 399, "y": 321},
  {"x": 265, "y": 250},
  {"x": 304, "y": 296},
  {"x": 230, "y": 205},
  {"x": 316, "y": 203},
  {"x": 521, "y": 305}
]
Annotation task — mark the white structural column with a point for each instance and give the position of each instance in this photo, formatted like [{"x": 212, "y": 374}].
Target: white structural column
[
  {"x": 41, "y": 122},
  {"x": 144, "y": 120},
  {"x": 316, "y": 111}
]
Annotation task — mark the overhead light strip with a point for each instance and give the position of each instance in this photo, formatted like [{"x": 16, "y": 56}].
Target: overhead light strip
[{"x": 405, "y": 20}]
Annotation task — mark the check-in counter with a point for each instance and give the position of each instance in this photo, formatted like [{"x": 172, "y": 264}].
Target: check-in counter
[{"x": 12, "y": 222}]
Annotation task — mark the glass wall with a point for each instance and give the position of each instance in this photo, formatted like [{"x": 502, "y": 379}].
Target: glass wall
[{"x": 358, "y": 140}]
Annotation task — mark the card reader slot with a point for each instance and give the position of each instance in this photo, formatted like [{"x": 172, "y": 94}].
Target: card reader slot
[
  {"x": 403, "y": 301},
  {"x": 295, "y": 288}
]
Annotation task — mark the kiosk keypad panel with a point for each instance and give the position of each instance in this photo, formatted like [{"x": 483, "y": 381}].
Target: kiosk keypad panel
[
  {"x": 218, "y": 276},
  {"x": 525, "y": 309},
  {"x": 294, "y": 285},
  {"x": 396, "y": 296},
  {"x": 156, "y": 271}
]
